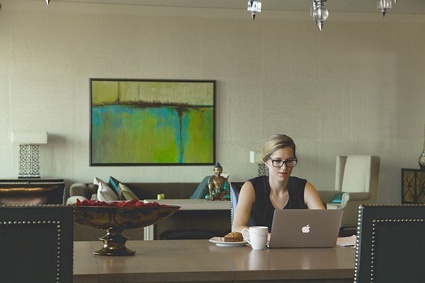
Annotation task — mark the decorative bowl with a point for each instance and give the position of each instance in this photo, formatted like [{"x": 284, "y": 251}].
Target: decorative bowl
[{"x": 116, "y": 217}]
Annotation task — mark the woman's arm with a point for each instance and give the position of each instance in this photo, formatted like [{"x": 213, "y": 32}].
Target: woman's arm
[
  {"x": 312, "y": 198},
  {"x": 244, "y": 207}
]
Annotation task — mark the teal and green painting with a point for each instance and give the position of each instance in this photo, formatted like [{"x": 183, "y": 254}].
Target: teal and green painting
[{"x": 152, "y": 122}]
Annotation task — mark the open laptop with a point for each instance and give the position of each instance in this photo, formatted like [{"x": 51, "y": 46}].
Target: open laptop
[{"x": 305, "y": 228}]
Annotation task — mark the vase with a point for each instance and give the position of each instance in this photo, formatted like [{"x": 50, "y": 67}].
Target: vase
[
  {"x": 421, "y": 160},
  {"x": 116, "y": 220}
]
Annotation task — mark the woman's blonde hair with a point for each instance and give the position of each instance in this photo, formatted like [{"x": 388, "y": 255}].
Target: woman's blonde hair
[{"x": 276, "y": 142}]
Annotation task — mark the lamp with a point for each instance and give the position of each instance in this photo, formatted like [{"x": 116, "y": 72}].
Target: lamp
[
  {"x": 254, "y": 7},
  {"x": 256, "y": 157},
  {"x": 29, "y": 152},
  {"x": 47, "y": 2},
  {"x": 319, "y": 13}
]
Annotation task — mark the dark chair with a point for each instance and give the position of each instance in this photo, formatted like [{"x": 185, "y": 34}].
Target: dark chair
[
  {"x": 390, "y": 244},
  {"x": 235, "y": 189},
  {"x": 36, "y": 244}
]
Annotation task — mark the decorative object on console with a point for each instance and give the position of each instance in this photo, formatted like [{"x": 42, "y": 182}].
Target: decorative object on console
[
  {"x": 165, "y": 122},
  {"x": 256, "y": 157},
  {"x": 413, "y": 186},
  {"x": 117, "y": 217},
  {"x": 421, "y": 160},
  {"x": 29, "y": 152}
]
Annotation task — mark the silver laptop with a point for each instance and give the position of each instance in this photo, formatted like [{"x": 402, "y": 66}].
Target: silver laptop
[{"x": 305, "y": 228}]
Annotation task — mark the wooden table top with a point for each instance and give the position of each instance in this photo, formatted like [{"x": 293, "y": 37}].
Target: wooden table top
[{"x": 202, "y": 261}]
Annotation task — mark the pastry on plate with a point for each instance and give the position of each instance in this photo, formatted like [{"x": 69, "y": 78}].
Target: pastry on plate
[{"x": 233, "y": 237}]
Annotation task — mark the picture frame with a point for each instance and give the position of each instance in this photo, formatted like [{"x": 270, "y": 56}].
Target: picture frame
[{"x": 137, "y": 122}]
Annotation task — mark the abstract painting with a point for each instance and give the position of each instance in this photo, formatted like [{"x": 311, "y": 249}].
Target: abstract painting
[{"x": 152, "y": 122}]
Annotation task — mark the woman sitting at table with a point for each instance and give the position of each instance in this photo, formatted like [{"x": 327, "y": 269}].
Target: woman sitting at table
[{"x": 260, "y": 196}]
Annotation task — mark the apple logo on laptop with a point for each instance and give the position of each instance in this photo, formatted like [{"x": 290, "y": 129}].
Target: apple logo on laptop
[{"x": 305, "y": 229}]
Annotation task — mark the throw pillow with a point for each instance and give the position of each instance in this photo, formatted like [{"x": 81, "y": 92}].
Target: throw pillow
[
  {"x": 113, "y": 183},
  {"x": 105, "y": 193},
  {"x": 97, "y": 180},
  {"x": 125, "y": 193},
  {"x": 337, "y": 198}
]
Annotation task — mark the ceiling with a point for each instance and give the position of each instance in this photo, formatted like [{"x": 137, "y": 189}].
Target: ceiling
[{"x": 348, "y": 6}]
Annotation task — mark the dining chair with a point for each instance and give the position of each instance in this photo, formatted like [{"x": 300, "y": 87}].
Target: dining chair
[
  {"x": 235, "y": 189},
  {"x": 356, "y": 183},
  {"x": 390, "y": 244},
  {"x": 36, "y": 244}
]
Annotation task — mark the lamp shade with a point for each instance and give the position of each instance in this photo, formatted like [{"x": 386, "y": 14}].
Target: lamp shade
[{"x": 29, "y": 137}]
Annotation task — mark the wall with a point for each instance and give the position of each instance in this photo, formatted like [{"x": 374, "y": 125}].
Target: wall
[{"x": 354, "y": 88}]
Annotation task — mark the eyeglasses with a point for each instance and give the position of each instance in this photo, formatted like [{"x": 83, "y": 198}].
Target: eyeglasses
[{"x": 279, "y": 163}]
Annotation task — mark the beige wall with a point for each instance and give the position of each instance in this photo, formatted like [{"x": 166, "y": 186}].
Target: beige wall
[{"x": 357, "y": 87}]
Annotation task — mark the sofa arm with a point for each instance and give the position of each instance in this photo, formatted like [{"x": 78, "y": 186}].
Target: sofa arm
[
  {"x": 357, "y": 196},
  {"x": 327, "y": 196},
  {"x": 83, "y": 190}
]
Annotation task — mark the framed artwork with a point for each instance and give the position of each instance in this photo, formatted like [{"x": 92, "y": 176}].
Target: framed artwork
[{"x": 152, "y": 122}]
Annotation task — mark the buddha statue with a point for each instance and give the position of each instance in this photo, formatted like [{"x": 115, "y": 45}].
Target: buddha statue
[{"x": 218, "y": 186}]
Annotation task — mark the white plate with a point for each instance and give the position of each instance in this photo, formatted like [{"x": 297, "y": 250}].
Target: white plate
[{"x": 220, "y": 243}]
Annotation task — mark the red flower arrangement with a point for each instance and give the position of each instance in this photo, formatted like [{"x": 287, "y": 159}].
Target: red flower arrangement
[{"x": 131, "y": 203}]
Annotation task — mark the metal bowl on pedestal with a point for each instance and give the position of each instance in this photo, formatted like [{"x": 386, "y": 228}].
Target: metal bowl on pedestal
[{"x": 116, "y": 219}]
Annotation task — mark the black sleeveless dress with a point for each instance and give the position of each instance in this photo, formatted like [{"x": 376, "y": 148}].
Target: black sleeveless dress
[{"x": 262, "y": 210}]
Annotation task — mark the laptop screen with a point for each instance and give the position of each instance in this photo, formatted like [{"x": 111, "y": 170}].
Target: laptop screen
[{"x": 302, "y": 228}]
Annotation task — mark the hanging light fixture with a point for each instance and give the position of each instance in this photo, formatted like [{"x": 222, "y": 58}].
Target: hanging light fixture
[
  {"x": 319, "y": 13},
  {"x": 384, "y": 5},
  {"x": 254, "y": 7},
  {"x": 47, "y": 2}
]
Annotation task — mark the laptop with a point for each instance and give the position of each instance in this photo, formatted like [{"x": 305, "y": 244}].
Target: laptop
[{"x": 305, "y": 228}]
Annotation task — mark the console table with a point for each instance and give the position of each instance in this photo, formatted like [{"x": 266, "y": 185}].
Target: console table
[
  {"x": 413, "y": 186},
  {"x": 202, "y": 261},
  {"x": 31, "y": 191},
  {"x": 193, "y": 213}
]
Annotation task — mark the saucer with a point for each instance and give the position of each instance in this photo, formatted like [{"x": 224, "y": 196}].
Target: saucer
[{"x": 218, "y": 241}]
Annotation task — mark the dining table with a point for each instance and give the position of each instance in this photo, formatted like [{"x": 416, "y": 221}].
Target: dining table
[{"x": 211, "y": 260}]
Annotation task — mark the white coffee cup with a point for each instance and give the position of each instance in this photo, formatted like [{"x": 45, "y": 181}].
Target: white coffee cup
[{"x": 256, "y": 236}]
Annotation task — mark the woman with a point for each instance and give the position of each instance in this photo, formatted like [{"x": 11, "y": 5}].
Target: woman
[{"x": 260, "y": 196}]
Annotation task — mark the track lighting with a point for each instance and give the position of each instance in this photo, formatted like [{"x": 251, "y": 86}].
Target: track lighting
[{"x": 319, "y": 11}]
